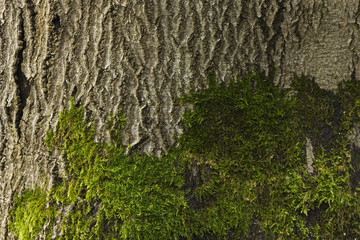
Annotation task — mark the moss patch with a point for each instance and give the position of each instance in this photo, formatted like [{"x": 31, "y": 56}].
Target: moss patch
[
  {"x": 32, "y": 213},
  {"x": 243, "y": 163}
]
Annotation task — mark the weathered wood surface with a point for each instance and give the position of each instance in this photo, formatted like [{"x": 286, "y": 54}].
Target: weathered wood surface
[{"x": 144, "y": 54}]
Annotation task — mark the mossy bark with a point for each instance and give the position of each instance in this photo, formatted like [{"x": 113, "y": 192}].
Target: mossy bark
[{"x": 143, "y": 55}]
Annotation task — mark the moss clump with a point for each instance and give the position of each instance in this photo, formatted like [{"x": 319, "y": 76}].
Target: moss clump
[
  {"x": 114, "y": 195},
  {"x": 241, "y": 164},
  {"x": 32, "y": 212},
  {"x": 249, "y": 139}
]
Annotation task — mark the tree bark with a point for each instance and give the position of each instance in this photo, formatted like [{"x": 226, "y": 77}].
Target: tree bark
[{"x": 142, "y": 55}]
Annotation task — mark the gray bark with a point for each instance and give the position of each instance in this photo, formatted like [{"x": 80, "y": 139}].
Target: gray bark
[{"x": 142, "y": 55}]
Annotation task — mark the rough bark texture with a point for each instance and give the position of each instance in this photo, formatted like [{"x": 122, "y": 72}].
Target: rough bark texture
[{"x": 142, "y": 55}]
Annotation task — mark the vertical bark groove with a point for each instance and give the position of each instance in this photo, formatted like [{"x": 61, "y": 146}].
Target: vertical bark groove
[{"x": 20, "y": 78}]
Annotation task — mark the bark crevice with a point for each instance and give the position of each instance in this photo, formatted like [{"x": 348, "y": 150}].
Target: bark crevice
[{"x": 21, "y": 81}]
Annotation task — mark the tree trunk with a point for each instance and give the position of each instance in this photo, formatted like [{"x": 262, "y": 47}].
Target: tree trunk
[{"x": 142, "y": 55}]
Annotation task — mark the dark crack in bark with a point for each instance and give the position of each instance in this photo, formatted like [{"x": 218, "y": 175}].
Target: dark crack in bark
[{"x": 20, "y": 78}]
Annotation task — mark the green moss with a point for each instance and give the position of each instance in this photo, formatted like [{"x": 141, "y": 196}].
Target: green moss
[
  {"x": 241, "y": 164},
  {"x": 32, "y": 211},
  {"x": 251, "y": 135},
  {"x": 137, "y": 197}
]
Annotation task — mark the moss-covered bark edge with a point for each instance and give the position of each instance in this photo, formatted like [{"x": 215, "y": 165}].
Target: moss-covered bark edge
[{"x": 252, "y": 156}]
